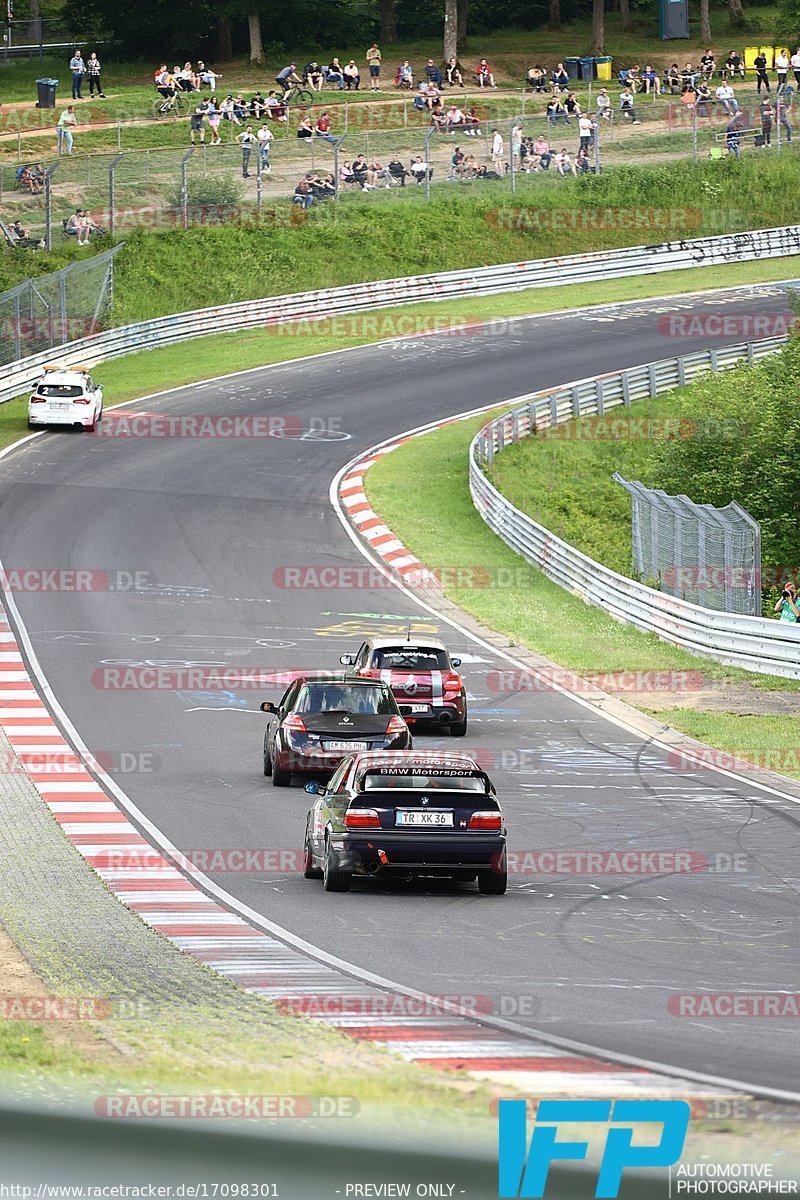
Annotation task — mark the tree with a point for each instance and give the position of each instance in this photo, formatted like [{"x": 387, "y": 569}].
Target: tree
[
  {"x": 625, "y": 15},
  {"x": 463, "y": 17},
  {"x": 554, "y": 14},
  {"x": 388, "y": 21},
  {"x": 598, "y": 26},
  {"x": 224, "y": 39},
  {"x": 736, "y": 12},
  {"x": 450, "y": 28},
  {"x": 256, "y": 47},
  {"x": 705, "y": 23}
]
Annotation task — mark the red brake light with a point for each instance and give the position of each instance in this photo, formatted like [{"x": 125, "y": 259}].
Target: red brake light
[
  {"x": 81, "y": 400},
  {"x": 295, "y": 722},
  {"x": 396, "y": 725},
  {"x": 486, "y": 820},
  {"x": 38, "y": 400},
  {"x": 452, "y": 682},
  {"x": 362, "y": 818}
]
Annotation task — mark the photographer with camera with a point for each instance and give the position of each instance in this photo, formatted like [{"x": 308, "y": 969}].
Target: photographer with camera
[{"x": 787, "y": 604}]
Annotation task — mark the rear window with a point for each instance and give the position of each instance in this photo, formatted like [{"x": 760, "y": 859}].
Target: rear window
[
  {"x": 410, "y": 658},
  {"x": 64, "y": 390},
  {"x": 379, "y": 782},
  {"x": 335, "y": 697}
]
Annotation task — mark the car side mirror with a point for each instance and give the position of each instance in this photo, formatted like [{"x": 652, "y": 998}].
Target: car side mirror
[
  {"x": 346, "y": 660},
  {"x": 456, "y": 662},
  {"x": 268, "y": 706},
  {"x": 312, "y": 787}
]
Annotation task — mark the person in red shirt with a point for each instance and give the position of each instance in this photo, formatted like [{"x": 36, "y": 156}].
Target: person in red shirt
[{"x": 323, "y": 127}]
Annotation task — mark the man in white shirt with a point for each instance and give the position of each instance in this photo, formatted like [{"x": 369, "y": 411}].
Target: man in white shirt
[
  {"x": 782, "y": 70},
  {"x": 727, "y": 99},
  {"x": 497, "y": 151},
  {"x": 586, "y": 128},
  {"x": 265, "y": 136},
  {"x": 794, "y": 62},
  {"x": 604, "y": 105}
]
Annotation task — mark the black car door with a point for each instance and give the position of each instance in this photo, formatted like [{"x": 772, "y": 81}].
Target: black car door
[{"x": 285, "y": 705}]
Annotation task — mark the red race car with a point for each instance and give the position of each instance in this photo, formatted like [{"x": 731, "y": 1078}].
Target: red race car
[{"x": 422, "y": 675}]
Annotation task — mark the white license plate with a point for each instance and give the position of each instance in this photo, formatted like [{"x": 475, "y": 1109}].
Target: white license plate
[
  {"x": 420, "y": 708},
  {"x": 346, "y": 746},
  {"x": 59, "y": 407},
  {"x": 423, "y": 818}
]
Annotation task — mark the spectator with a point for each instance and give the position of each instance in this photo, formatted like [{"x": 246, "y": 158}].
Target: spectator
[
  {"x": 794, "y": 62},
  {"x": 323, "y": 187},
  {"x": 191, "y": 77},
  {"x": 688, "y": 77},
  {"x": 197, "y": 123},
  {"x": 397, "y": 170},
  {"x": 66, "y": 123},
  {"x": 537, "y": 78},
  {"x": 472, "y": 122},
  {"x": 673, "y": 79},
  {"x": 305, "y": 129},
  {"x": 323, "y": 127},
  {"x": 433, "y": 74},
  {"x": 78, "y": 68},
  {"x": 626, "y": 106},
  {"x": 312, "y": 74},
  {"x": 214, "y": 118},
  {"x": 31, "y": 177},
  {"x": 470, "y": 168},
  {"x": 564, "y": 163},
  {"x": 586, "y": 132},
  {"x": 420, "y": 170},
  {"x": 484, "y": 75},
  {"x": 376, "y": 174},
  {"x": 246, "y": 139},
  {"x": 352, "y": 78},
  {"x": 733, "y": 135},
  {"x": 559, "y": 79},
  {"x": 557, "y": 112},
  {"x": 454, "y": 73},
  {"x": 703, "y": 98},
  {"x": 787, "y": 605},
  {"x": 93, "y": 70},
  {"x": 542, "y": 152},
  {"x": 782, "y": 113},
  {"x": 346, "y": 173},
  {"x": 227, "y": 110},
  {"x": 206, "y": 76},
  {"x": 765, "y": 116},
  {"x": 733, "y": 66},
  {"x": 275, "y": 110},
  {"x": 457, "y": 164},
  {"x": 257, "y": 106},
  {"x": 583, "y": 165},
  {"x": 781, "y": 71},
  {"x": 455, "y": 120},
  {"x": 516, "y": 143},
  {"x": 632, "y": 79},
  {"x": 21, "y": 236},
  {"x": 165, "y": 81},
  {"x": 405, "y": 75},
  {"x": 727, "y": 98},
  {"x": 334, "y": 73},
  {"x": 373, "y": 57},
  {"x": 288, "y": 78},
  {"x": 439, "y": 118},
  {"x": 91, "y": 228},
  {"x": 650, "y": 82},
  {"x": 497, "y": 151},
  {"x": 184, "y": 78},
  {"x": 360, "y": 170},
  {"x": 603, "y": 105},
  {"x": 73, "y": 223},
  {"x": 762, "y": 78},
  {"x": 239, "y": 109},
  {"x": 265, "y": 138},
  {"x": 303, "y": 195},
  {"x": 688, "y": 97},
  {"x": 572, "y": 106},
  {"x": 708, "y": 65}
]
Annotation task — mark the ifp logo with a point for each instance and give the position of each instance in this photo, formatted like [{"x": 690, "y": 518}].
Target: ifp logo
[{"x": 523, "y": 1172}]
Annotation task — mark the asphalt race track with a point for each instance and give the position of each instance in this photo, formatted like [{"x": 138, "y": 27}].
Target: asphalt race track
[{"x": 210, "y": 520}]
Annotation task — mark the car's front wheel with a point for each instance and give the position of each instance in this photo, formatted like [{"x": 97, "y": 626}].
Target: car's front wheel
[
  {"x": 335, "y": 880},
  {"x": 495, "y": 881},
  {"x": 310, "y": 868},
  {"x": 267, "y": 760}
]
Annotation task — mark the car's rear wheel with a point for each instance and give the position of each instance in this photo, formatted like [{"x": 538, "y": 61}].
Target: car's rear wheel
[
  {"x": 459, "y": 728},
  {"x": 310, "y": 869},
  {"x": 495, "y": 881},
  {"x": 280, "y": 778},
  {"x": 335, "y": 880}
]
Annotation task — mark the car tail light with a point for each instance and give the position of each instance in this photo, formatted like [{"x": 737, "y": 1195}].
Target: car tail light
[
  {"x": 296, "y": 723},
  {"x": 362, "y": 818},
  {"x": 38, "y": 399},
  {"x": 81, "y": 400},
  {"x": 486, "y": 820},
  {"x": 452, "y": 682},
  {"x": 396, "y": 725},
  {"x": 370, "y": 673}
]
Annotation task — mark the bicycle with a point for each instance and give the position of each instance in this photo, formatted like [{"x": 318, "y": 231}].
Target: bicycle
[
  {"x": 298, "y": 95},
  {"x": 175, "y": 105}
]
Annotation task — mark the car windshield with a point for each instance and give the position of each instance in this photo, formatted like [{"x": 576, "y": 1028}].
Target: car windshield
[
  {"x": 462, "y": 783},
  {"x": 60, "y": 389},
  {"x": 333, "y": 697},
  {"x": 410, "y": 658}
]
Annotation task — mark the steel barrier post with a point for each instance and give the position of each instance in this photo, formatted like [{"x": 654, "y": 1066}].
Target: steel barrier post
[
  {"x": 185, "y": 189},
  {"x": 112, "y": 167},
  {"x": 48, "y": 205}
]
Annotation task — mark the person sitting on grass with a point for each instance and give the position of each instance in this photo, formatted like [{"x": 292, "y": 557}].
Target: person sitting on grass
[
  {"x": 564, "y": 163},
  {"x": 432, "y": 73},
  {"x": 536, "y": 78},
  {"x": 323, "y": 127},
  {"x": 21, "y": 236},
  {"x": 733, "y": 66},
  {"x": 32, "y": 178},
  {"x": 672, "y": 79},
  {"x": 559, "y": 79},
  {"x": 556, "y": 112},
  {"x": 207, "y": 77},
  {"x": 312, "y": 74},
  {"x": 73, "y": 223},
  {"x": 305, "y": 129},
  {"x": 275, "y": 110},
  {"x": 485, "y": 75},
  {"x": 396, "y": 169},
  {"x": 603, "y": 103},
  {"x": 454, "y": 73},
  {"x": 583, "y": 164},
  {"x": 542, "y": 155},
  {"x": 626, "y": 106},
  {"x": 472, "y": 122},
  {"x": 303, "y": 194},
  {"x": 360, "y": 171}
]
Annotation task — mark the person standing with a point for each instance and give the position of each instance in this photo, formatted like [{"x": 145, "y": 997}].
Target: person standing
[
  {"x": 794, "y": 62},
  {"x": 497, "y": 151},
  {"x": 782, "y": 113},
  {"x": 78, "y": 68},
  {"x": 93, "y": 70},
  {"x": 197, "y": 123},
  {"x": 246, "y": 140},
  {"x": 214, "y": 117},
  {"x": 586, "y": 128},
  {"x": 765, "y": 115},
  {"x": 66, "y": 123},
  {"x": 374, "y": 65},
  {"x": 762, "y": 78},
  {"x": 781, "y": 71},
  {"x": 265, "y": 138}
]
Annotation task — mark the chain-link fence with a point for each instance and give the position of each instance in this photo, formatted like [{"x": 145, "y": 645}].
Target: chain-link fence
[
  {"x": 53, "y": 309},
  {"x": 701, "y": 554}
]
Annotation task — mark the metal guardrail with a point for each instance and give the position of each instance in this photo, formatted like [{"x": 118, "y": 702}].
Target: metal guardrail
[
  {"x": 754, "y": 643},
  {"x": 481, "y": 281}
]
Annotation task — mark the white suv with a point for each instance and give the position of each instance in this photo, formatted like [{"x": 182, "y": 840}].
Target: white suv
[{"x": 65, "y": 396}]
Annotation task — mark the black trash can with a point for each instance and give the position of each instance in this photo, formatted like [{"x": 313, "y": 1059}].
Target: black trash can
[
  {"x": 573, "y": 66},
  {"x": 587, "y": 68},
  {"x": 47, "y": 92}
]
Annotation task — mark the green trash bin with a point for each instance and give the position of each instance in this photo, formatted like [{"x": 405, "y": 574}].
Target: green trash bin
[
  {"x": 47, "y": 93},
  {"x": 573, "y": 66},
  {"x": 587, "y": 68}
]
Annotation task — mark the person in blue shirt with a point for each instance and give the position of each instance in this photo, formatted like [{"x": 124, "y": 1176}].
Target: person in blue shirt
[{"x": 78, "y": 68}]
